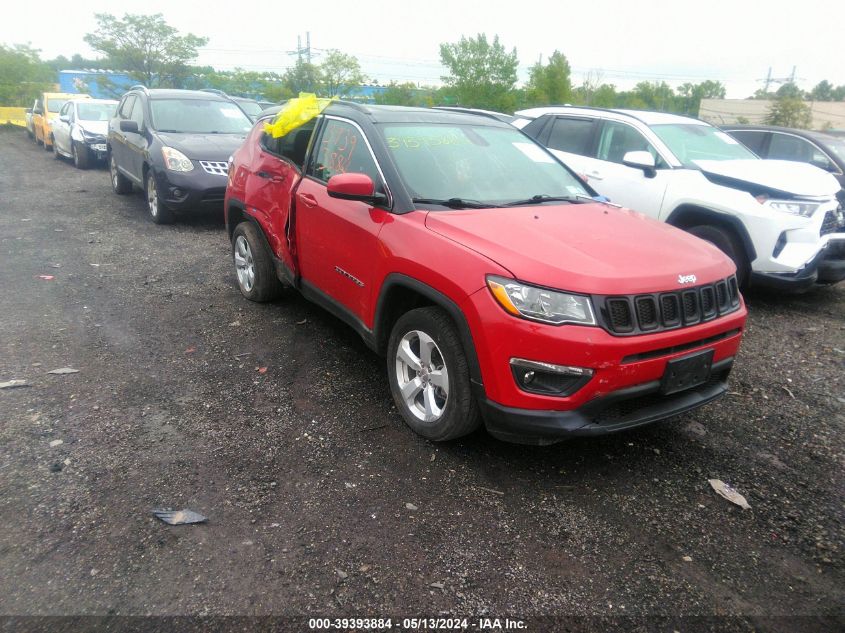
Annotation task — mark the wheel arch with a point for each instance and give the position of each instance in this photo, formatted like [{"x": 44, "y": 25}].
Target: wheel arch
[
  {"x": 400, "y": 293},
  {"x": 687, "y": 216}
]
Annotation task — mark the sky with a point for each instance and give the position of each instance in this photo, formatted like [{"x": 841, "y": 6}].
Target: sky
[{"x": 621, "y": 42}]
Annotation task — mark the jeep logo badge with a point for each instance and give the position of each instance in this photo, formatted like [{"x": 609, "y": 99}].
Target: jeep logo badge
[{"x": 686, "y": 279}]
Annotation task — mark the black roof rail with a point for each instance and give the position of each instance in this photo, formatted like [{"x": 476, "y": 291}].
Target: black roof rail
[
  {"x": 214, "y": 91},
  {"x": 140, "y": 87}
]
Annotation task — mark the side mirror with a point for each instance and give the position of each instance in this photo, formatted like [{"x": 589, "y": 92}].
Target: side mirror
[
  {"x": 129, "y": 126},
  {"x": 38, "y": 111},
  {"x": 64, "y": 118},
  {"x": 641, "y": 160},
  {"x": 29, "y": 110},
  {"x": 354, "y": 186}
]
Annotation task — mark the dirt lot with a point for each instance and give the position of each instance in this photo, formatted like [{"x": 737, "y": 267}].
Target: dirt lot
[{"x": 305, "y": 470}]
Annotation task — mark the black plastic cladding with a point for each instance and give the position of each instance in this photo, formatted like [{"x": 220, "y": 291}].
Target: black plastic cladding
[{"x": 628, "y": 315}]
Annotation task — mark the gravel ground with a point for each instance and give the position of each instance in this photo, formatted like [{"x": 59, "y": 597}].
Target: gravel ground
[{"x": 276, "y": 422}]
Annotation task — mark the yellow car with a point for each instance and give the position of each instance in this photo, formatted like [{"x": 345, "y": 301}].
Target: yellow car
[{"x": 47, "y": 110}]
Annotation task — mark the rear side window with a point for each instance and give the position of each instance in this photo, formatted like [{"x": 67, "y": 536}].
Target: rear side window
[
  {"x": 343, "y": 150},
  {"x": 571, "y": 135},
  {"x": 292, "y": 146},
  {"x": 752, "y": 139},
  {"x": 788, "y": 147}
]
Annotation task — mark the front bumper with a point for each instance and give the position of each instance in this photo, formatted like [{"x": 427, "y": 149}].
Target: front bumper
[
  {"x": 625, "y": 368},
  {"x": 196, "y": 189},
  {"x": 624, "y": 409},
  {"x": 827, "y": 267}
]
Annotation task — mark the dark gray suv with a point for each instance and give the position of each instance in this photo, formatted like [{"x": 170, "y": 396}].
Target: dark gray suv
[{"x": 175, "y": 146}]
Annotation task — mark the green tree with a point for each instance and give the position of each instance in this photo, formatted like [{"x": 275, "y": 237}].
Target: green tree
[
  {"x": 823, "y": 91},
  {"x": 482, "y": 74},
  {"x": 340, "y": 74},
  {"x": 146, "y": 47},
  {"x": 790, "y": 112},
  {"x": 650, "y": 95},
  {"x": 302, "y": 77},
  {"x": 692, "y": 94},
  {"x": 405, "y": 94},
  {"x": 550, "y": 83},
  {"x": 22, "y": 75},
  {"x": 789, "y": 91}
]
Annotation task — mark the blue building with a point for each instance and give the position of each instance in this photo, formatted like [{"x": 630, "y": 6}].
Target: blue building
[{"x": 100, "y": 84}]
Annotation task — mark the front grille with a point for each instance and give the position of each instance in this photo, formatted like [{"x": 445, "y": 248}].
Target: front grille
[
  {"x": 647, "y": 313},
  {"x": 216, "y": 167},
  {"x": 619, "y": 312},
  {"x": 627, "y": 315}
]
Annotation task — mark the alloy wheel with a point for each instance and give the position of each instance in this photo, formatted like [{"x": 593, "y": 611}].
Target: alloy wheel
[
  {"x": 422, "y": 376},
  {"x": 244, "y": 264},
  {"x": 152, "y": 196}
]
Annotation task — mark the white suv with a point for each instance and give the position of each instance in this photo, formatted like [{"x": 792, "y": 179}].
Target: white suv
[{"x": 779, "y": 221}]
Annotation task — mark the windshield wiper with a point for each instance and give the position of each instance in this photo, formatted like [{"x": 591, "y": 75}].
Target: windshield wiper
[
  {"x": 456, "y": 203},
  {"x": 539, "y": 198}
]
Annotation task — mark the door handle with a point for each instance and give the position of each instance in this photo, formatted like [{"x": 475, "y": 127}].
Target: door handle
[
  {"x": 595, "y": 175},
  {"x": 307, "y": 199},
  {"x": 270, "y": 177}
]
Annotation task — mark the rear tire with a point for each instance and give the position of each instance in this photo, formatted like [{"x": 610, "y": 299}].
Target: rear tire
[
  {"x": 254, "y": 268},
  {"x": 50, "y": 146},
  {"x": 159, "y": 213},
  {"x": 727, "y": 242},
  {"x": 429, "y": 375},
  {"x": 120, "y": 184},
  {"x": 81, "y": 155}
]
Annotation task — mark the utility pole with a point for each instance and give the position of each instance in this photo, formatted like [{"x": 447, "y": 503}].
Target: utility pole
[{"x": 300, "y": 49}]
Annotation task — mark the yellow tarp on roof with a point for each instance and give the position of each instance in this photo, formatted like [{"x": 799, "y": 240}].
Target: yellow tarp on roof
[{"x": 297, "y": 112}]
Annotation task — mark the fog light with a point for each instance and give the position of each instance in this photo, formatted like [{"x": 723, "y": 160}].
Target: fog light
[{"x": 547, "y": 378}]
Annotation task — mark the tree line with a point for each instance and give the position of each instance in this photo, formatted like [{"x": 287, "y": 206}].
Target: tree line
[{"x": 481, "y": 73}]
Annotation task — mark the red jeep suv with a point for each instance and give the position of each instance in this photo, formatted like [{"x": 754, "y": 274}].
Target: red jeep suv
[{"x": 485, "y": 271}]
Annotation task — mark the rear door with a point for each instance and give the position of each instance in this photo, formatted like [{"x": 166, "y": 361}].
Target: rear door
[
  {"x": 338, "y": 239},
  {"x": 272, "y": 176}
]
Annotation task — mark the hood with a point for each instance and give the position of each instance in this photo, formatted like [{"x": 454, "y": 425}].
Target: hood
[
  {"x": 784, "y": 176},
  {"x": 587, "y": 248},
  {"x": 204, "y": 146},
  {"x": 95, "y": 127}
]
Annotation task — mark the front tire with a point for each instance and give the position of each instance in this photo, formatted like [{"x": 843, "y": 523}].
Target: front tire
[
  {"x": 56, "y": 153},
  {"x": 254, "y": 268},
  {"x": 120, "y": 184},
  {"x": 81, "y": 155},
  {"x": 727, "y": 242},
  {"x": 159, "y": 213},
  {"x": 429, "y": 376}
]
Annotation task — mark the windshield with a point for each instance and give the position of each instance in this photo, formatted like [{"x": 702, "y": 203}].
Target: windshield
[
  {"x": 197, "y": 116},
  {"x": 475, "y": 162},
  {"x": 54, "y": 105},
  {"x": 690, "y": 142},
  {"x": 95, "y": 111},
  {"x": 252, "y": 108}
]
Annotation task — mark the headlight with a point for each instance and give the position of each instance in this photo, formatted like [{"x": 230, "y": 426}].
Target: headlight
[
  {"x": 541, "y": 304},
  {"x": 804, "y": 209},
  {"x": 175, "y": 160}
]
